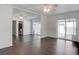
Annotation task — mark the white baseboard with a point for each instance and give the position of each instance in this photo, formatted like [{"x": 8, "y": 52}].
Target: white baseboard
[{"x": 5, "y": 46}]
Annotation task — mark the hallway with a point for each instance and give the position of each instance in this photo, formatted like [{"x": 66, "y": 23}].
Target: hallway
[{"x": 33, "y": 45}]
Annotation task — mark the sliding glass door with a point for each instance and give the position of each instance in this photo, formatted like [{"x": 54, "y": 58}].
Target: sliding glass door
[
  {"x": 67, "y": 28},
  {"x": 61, "y": 29},
  {"x": 70, "y": 28}
]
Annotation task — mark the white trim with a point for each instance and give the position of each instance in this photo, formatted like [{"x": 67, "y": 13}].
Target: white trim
[
  {"x": 7, "y": 45},
  {"x": 26, "y": 10}
]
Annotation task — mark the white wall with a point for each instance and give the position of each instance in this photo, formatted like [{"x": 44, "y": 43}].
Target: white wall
[
  {"x": 51, "y": 24},
  {"x": 5, "y": 26},
  {"x": 26, "y": 27},
  {"x": 27, "y": 17},
  {"x": 43, "y": 26}
]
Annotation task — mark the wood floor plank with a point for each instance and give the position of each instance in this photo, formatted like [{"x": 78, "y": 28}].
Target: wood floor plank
[{"x": 33, "y": 45}]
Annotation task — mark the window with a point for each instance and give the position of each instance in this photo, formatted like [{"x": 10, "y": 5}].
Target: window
[{"x": 67, "y": 28}]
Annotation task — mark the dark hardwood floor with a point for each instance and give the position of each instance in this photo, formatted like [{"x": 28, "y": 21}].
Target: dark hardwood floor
[{"x": 33, "y": 45}]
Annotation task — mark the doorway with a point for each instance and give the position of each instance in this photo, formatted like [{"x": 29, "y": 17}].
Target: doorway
[
  {"x": 20, "y": 28},
  {"x": 67, "y": 29}
]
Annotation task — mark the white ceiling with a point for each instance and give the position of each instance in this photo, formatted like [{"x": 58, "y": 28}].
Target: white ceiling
[
  {"x": 61, "y": 8},
  {"x": 26, "y": 15}
]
